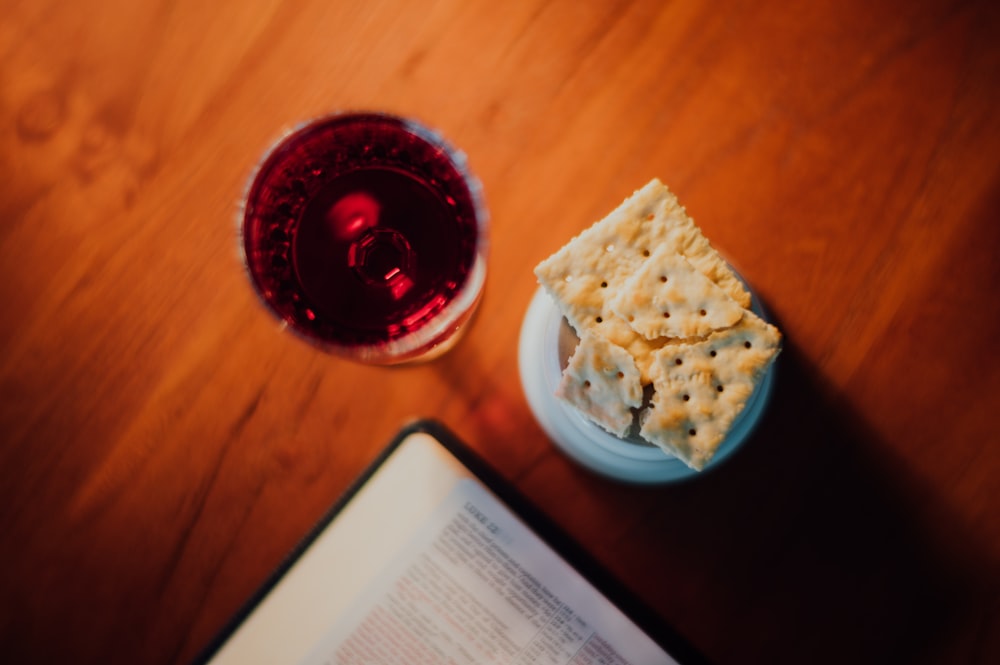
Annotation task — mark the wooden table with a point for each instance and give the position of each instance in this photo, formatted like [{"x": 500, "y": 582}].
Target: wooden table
[{"x": 165, "y": 443}]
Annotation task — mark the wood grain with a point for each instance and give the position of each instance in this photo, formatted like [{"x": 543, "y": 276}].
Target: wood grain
[{"x": 164, "y": 442}]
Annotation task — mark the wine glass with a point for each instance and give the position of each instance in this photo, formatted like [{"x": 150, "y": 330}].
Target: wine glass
[{"x": 366, "y": 234}]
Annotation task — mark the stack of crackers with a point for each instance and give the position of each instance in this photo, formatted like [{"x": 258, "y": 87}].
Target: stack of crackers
[{"x": 668, "y": 343}]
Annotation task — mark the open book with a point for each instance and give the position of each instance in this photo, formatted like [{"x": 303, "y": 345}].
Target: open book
[{"x": 432, "y": 559}]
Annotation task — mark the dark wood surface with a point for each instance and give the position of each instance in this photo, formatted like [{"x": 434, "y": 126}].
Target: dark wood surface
[{"x": 165, "y": 443}]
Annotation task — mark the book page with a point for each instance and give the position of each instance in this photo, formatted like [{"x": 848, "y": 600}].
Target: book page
[
  {"x": 425, "y": 565},
  {"x": 477, "y": 586}
]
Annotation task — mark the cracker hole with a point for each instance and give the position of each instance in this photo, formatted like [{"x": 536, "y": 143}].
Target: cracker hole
[
  {"x": 604, "y": 285},
  {"x": 599, "y": 319},
  {"x": 692, "y": 431},
  {"x": 678, "y": 361},
  {"x": 687, "y": 398},
  {"x": 586, "y": 384},
  {"x": 631, "y": 318},
  {"x": 650, "y": 216},
  {"x": 666, "y": 315},
  {"x": 645, "y": 252},
  {"x": 713, "y": 353},
  {"x": 702, "y": 312},
  {"x": 621, "y": 375},
  {"x": 747, "y": 344},
  {"x": 719, "y": 388},
  {"x": 663, "y": 278}
]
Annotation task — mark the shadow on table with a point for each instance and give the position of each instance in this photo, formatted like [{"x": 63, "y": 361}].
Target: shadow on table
[{"x": 813, "y": 544}]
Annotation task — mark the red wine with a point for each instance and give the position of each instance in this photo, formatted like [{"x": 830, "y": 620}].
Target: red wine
[{"x": 365, "y": 232}]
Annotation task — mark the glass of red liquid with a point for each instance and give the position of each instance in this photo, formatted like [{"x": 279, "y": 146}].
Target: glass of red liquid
[{"x": 366, "y": 234}]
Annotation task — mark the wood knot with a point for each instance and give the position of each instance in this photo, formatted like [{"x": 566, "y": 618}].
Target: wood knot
[{"x": 40, "y": 116}]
